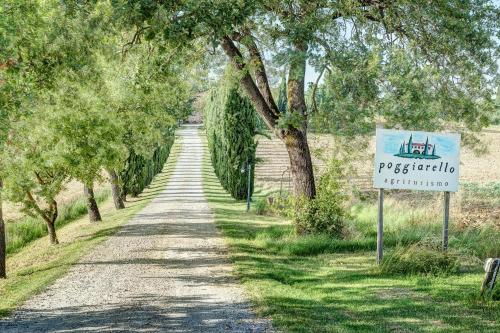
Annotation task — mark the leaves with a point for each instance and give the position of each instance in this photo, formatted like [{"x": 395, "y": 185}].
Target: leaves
[
  {"x": 73, "y": 104},
  {"x": 230, "y": 121}
]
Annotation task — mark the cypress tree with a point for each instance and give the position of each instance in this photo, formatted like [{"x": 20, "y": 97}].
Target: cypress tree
[
  {"x": 230, "y": 122},
  {"x": 139, "y": 170},
  {"x": 426, "y": 147},
  {"x": 282, "y": 98}
]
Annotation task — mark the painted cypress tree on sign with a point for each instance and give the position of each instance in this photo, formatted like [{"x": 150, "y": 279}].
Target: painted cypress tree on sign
[{"x": 426, "y": 147}]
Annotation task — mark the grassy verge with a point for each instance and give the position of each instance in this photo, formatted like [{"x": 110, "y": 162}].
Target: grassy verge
[
  {"x": 38, "y": 264},
  {"x": 306, "y": 285},
  {"x": 25, "y": 230},
  {"x": 404, "y": 225}
]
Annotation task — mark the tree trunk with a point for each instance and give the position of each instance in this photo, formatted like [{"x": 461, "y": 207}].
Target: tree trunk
[
  {"x": 3, "y": 244},
  {"x": 116, "y": 191},
  {"x": 92, "y": 209},
  {"x": 295, "y": 138},
  {"x": 300, "y": 163},
  {"x": 52, "y": 232}
]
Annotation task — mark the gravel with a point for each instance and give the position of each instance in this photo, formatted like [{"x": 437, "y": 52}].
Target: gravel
[{"x": 164, "y": 271}]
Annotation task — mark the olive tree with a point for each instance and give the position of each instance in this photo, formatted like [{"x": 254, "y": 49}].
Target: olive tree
[{"x": 148, "y": 93}]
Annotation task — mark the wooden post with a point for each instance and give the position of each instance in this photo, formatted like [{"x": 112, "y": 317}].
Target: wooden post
[
  {"x": 446, "y": 219},
  {"x": 380, "y": 226}
]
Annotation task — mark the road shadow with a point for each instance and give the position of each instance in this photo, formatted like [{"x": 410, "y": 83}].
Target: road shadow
[{"x": 145, "y": 313}]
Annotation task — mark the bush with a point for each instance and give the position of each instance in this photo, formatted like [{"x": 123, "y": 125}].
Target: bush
[
  {"x": 420, "y": 258},
  {"x": 140, "y": 170},
  {"x": 230, "y": 121},
  {"x": 327, "y": 212},
  {"x": 260, "y": 206},
  {"x": 495, "y": 295}
]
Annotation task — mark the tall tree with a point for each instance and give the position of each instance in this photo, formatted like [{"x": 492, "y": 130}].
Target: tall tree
[
  {"x": 116, "y": 190},
  {"x": 14, "y": 81},
  {"x": 92, "y": 209},
  {"x": 453, "y": 40}
]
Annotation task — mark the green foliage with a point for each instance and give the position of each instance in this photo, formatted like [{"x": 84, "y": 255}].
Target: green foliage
[
  {"x": 420, "y": 258},
  {"x": 326, "y": 213},
  {"x": 230, "y": 121},
  {"x": 282, "y": 98},
  {"x": 260, "y": 206},
  {"x": 75, "y": 103},
  {"x": 139, "y": 170},
  {"x": 21, "y": 232},
  {"x": 481, "y": 191}
]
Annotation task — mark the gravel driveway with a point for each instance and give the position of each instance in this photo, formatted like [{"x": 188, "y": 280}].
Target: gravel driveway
[{"x": 165, "y": 271}]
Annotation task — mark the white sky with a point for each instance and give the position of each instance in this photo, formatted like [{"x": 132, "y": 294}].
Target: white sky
[{"x": 312, "y": 75}]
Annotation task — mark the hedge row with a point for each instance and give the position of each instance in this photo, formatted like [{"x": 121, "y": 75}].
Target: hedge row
[
  {"x": 139, "y": 171},
  {"x": 230, "y": 122}
]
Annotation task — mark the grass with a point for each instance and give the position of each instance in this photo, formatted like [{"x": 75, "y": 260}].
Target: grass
[
  {"x": 36, "y": 265},
  {"x": 404, "y": 225},
  {"x": 317, "y": 284},
  {"x": 25, "y": 230}
]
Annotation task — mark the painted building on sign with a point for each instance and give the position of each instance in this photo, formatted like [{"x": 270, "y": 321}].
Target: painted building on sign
[
  {"x": 412, "y": 149},
  {"x": 417, "y": 148},
  {"x": 417, "y": 160}
]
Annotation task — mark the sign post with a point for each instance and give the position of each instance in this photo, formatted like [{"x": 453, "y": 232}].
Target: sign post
[
  {"x": 446, "y": 218},
  {"x": 249, "y": 184},
  {"x": 380, "y": 226},
  {"x": 414, "y": 160}
]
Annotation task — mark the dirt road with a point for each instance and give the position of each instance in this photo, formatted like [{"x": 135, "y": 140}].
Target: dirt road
[{"x": 165, "y": 271}]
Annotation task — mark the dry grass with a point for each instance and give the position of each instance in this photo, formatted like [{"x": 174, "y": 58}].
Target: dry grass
[
  {"x": 72, "y": 191},
  {"x": 473, "y": 168}
]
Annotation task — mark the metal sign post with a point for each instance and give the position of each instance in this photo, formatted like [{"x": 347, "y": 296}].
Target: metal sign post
[
  {"x": 446, "y": 218},
  {"x": 380, "y": 226},
  {"x": 249, "y": 184},
  {"x": 415, "y": 160}
]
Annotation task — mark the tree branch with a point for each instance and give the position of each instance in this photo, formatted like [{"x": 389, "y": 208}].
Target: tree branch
[
  {"x": 315, "y": 88},
  {"x": 37, "y": 207},
  {"x": 259, "y": 70},
  {"x": 135, "y": 39},
  {"x": 248, "y": 83}
]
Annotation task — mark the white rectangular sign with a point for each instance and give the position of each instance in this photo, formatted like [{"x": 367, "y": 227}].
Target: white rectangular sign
[{"x": 416, "y": 160}]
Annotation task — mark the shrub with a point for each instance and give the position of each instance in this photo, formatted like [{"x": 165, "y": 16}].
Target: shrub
[
  {"x": 420, "y": 258},
  {"x": 495, "y": 295},
  {"x": 327, "y": 212},
  {"x": 260, "y": 206},
  {"x": 230, "y": 121},
  {"x": 140, "y": 170}
]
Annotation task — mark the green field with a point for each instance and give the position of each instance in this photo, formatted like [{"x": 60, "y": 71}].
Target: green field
[{"x": 317, "y": 284}]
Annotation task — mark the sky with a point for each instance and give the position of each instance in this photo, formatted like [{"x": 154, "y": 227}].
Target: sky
[{"x": 312, "y": 75}]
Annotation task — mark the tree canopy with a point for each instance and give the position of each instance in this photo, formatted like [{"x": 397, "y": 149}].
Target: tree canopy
[
  {"x": 76, "y": 97},
  {"x": 413, "y": 63}
]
